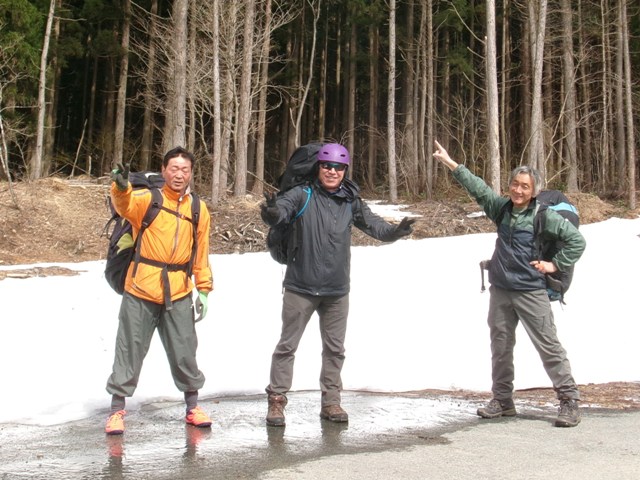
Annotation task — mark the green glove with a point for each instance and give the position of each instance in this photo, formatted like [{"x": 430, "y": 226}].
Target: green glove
[
  {"x": 202, "y": 304},
  {"x": 120, "y": 175}
]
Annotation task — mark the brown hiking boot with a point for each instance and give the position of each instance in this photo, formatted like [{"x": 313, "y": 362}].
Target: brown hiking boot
[
  {"x": 568, "y": 413},
  {"x": 275, "y": 414},
  {"x": 334, "y": 413},
  {"x": 498, "y": 408}
]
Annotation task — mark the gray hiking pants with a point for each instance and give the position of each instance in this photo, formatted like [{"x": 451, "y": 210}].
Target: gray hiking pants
[
  {"x": 533, "y": 309},
  {"x": 138, "y": 321},
  {"x": 297, "y": 309}
]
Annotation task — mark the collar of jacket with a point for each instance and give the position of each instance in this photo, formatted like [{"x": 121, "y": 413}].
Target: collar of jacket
[
  {"x": 533, "y": 204},
  {"x": 348, "y": 190},
  {"x": 172, "y": 195}
]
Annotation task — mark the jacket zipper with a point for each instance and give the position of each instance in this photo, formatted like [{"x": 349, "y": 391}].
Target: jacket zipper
[{"x": 175, "y": 239}]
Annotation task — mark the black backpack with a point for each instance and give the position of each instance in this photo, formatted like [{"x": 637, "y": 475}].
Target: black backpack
[
  {"x": 283, "y": 239},
  {"x": 123, "y": 249},
  {"x": 558, "y": 282}
]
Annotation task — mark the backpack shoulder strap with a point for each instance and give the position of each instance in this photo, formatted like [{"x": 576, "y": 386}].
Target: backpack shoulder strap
[
  {"x": 539, "y": 223},
  {"x": 154, "y": 207},
  {"x": 195, "y": 218},
  {"x": 149, "y": 216},
  {"x": 293, "y": 233},
  {"x": 307, "y": 190},
  {"x": 195, "y": 208}
]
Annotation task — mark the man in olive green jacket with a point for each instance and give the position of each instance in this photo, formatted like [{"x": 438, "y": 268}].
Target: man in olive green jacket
[{"x": 518, "y": 286}]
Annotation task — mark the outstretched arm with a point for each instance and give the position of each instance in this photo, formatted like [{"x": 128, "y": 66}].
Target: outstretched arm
[
  {"x": 378, "y": 228},
  {"x": 443, "y": 157},
  {"x": 490, "y": 201}
]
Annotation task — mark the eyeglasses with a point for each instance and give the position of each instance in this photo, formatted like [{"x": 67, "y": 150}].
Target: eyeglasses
[{"x": 338, "y": 167}]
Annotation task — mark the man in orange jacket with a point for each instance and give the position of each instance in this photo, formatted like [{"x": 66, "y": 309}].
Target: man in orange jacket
[{"x": 167, "y": 242}]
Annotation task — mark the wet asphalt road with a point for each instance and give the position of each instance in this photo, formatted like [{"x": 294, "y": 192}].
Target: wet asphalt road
[{"x": 388, "y": 436}]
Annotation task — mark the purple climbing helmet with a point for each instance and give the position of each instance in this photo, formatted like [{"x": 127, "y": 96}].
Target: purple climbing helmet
[{"x": 333, "y": 152}]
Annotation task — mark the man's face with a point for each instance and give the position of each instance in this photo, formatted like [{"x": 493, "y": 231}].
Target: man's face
[
  {"x": 331, "y": 175},
  {"x": 521, "y": 190},
  {"x": 177, "y": 174}
]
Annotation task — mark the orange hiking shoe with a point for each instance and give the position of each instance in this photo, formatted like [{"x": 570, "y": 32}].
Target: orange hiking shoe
[
  {"x": 115, "y": 423},
  {"x": 198, "y": 418}
]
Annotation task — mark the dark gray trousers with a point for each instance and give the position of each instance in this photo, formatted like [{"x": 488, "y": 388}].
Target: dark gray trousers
[
  {"x": 297, "y": 309},
  {"x": 138, "y": 321},
  {"x": 533, "y": 309}
]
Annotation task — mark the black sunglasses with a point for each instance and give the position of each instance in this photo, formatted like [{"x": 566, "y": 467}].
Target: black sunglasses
[{"x": 338, "y": 167}]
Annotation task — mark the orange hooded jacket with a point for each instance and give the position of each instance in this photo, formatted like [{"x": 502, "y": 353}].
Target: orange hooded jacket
[{"x": 169, "y": 239}]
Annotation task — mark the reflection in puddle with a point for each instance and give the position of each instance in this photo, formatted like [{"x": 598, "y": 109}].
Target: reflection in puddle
[{"x": 158, "y": 444}]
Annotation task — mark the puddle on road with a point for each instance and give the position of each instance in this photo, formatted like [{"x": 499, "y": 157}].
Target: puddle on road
[{"x": 157, "y": 444}]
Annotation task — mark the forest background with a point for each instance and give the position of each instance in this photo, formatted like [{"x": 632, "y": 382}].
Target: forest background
[{"x": 85, "y": 85}]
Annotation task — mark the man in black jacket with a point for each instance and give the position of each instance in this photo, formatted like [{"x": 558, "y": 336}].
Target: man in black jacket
[{"x": 317, "y": 278}]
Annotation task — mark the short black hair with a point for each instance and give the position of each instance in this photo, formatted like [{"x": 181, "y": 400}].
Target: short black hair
[{"x": 178, "y": 152}]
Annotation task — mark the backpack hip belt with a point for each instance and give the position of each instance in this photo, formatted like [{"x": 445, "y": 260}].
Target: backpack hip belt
[{"x": 166, "y": 268}]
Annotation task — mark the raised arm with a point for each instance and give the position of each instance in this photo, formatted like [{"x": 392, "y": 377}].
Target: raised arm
[
  {"x": 443, "y": 157},
  {"x": 490, "y": 201}
]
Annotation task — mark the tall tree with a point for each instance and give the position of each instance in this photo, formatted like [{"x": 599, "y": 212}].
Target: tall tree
[
  {"x": 391, "y": 105},
  {"x": 175, "y": 134},
  {"x": 570, "y": 104},
  {"x": 193, "y": 64},
  {"x": 584, "y": 132},
  {"x": 323, "y": 89},
  {"x": 53, "y": 84},
  {"x": 118, "y": 141},
  {"x": 604, "y": 164},
  {"x": 493, "y": 123},
  {"x": 351, "y": 94},
  {"x": 147, "y": 121},
  {"x": 244, "y": 106},
  {"x": 620, "y": 144},
  {"x": 228, "y": 94},
  {"x": 409, "y": 163},
  {"x": 217, "y": 122},
  {"x": 263, "y": 87},
  {"x": 505, "y": 89},
  {"x": 631, "y": 142},
  {"x": 429, "y": 81},
  {"x": 304, "y": 90},
  {"x": 537, "y": 22},
  {"x": 92, "y": 59},
  {"x": 36, "y": 163},
  {"x": 372, "y": 150}
]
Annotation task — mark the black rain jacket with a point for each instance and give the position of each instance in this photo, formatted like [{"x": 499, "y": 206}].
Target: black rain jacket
[{"x": 322, "y": 263}]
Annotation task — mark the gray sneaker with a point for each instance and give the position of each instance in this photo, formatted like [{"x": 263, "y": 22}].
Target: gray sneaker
[
  {"x": 498, "y": 408},
  {"x": 568, "y": 413}
]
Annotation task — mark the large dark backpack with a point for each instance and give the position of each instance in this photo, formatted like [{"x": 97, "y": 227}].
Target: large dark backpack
[
  {"x": 124, "y": 249},
  {"x": 558, "y": 282},
  {"x": 283, "y": 239}
]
